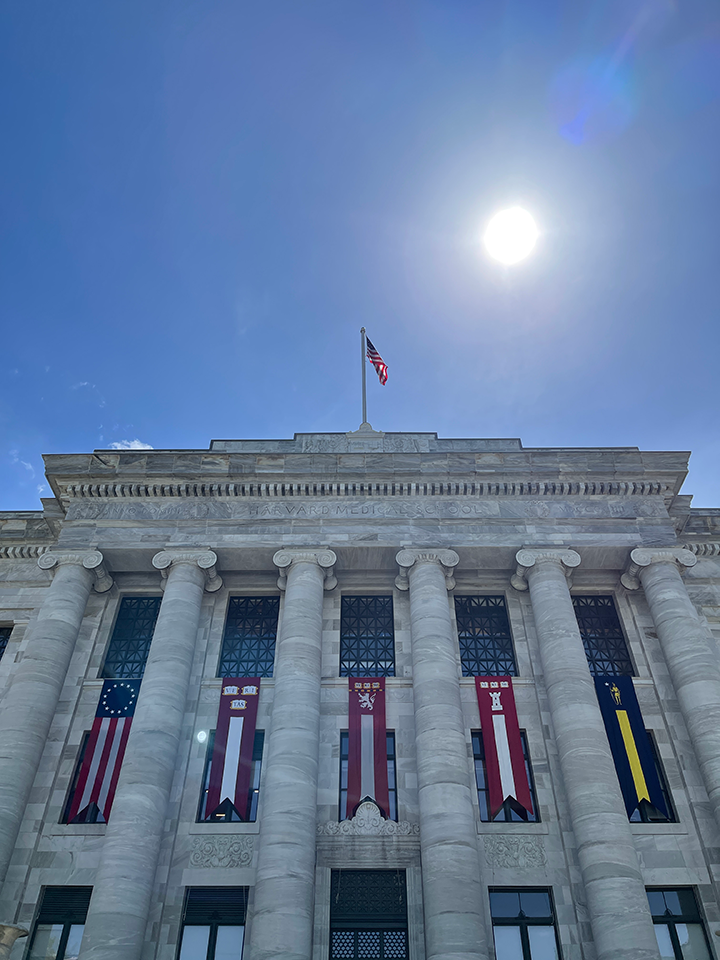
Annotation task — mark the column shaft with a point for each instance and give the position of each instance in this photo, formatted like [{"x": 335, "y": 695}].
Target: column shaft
[
  {"x": 120, "y": 903},
  {"x": 452, "y": 889},
  {"x": 29, "y": 705},
  {"x": 693, "y": 665},
  {"x": 617, "y": 903},
  {"x": 282, "y": 916}
]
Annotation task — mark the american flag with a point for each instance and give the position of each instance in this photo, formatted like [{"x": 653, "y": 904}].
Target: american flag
[
  {"x": 377, "y": 361},
  {"x": 105, "y": 750}
]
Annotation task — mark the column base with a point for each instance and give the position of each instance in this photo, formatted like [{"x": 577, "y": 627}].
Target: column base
[{"x": 9, "y": 933}]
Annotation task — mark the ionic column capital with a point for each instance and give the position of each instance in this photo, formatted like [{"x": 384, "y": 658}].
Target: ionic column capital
[
  {"x": 204, "y": 559},
  {"x": 530, "y": 557},
  {"x": 322, "y": 556},
  {"x": 643, "y": 557},
  {"x": 407, "y": 558},
  {"x": 89, "y": 559}
]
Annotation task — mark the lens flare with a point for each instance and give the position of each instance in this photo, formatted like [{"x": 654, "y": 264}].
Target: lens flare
[{"x": 511, "y": 235}]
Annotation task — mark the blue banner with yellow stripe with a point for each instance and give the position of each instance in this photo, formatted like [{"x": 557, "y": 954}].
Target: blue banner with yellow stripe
[{"x": 629, "y": 743}]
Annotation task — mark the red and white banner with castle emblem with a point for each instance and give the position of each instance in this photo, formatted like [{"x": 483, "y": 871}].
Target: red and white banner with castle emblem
[
  {"x": 504, "y": 760},
  {"x": 367, "y": 744},
  {"x": 231, "y": 770}
]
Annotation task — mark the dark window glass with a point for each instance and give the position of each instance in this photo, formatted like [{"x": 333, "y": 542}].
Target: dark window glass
[
  {"x": 679, "y": 928},
  {"x": 213, "y": 923},
  {"x": 368, "y": 914},
  {"x": 248, "y": 648},
  {"x": 58, "y": 930},
  {"x": 227, "y": 812},
  {"x": 4, "y": 637},
  {"x": 511, "y": 811},
  {"x": 91, "y": 814},
  {"x": 524, "y": 924},
  {"x": 605, "y": 647},
  {"x": 646, "y": 812},
  {"x": 130, "y": 642},
  {"x": 486, "y": 647},
  {"x": 367, "y": 637},
  {"x": 391, "y": 769}
]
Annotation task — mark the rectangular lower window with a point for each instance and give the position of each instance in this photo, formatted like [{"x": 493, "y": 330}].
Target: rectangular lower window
[
  {"x": 679, "y": 928},
  {"x": 524, "y": 925},
  {"x": 213, "y": 923},
  {"x": 511, "y": 811},
  {"x": 230, "y": 814},
  {"x": 60, "y": 923},
  {"x": 391, "y": 770},
  {"x": 368, "y": 915}
]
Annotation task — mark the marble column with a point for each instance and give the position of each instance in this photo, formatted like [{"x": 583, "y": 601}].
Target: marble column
[
  {"x": 9, "y": 933},
  {"x": 29, "y": 704},
  {"x": 690, "y": 652},
  {"x": 616, "y": 900},
  {"x": 453, "y": 891},
  {"x": 120, "y": 902},
  {"x": 282, "y": 918}
]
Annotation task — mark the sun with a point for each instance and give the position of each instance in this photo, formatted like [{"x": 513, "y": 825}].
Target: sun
[{"x": 511, "y": 235}]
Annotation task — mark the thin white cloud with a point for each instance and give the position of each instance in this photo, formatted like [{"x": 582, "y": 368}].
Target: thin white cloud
[
  {"x": 84, "y": 383},
  {"x": 41, "y": 488},
  {"x": 29, "y": 467},
  {"x": 130, "y": 445}
]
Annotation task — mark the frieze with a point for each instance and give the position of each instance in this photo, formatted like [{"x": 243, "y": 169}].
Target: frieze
[
  {"x": 368, "y": 822},
  {"x": 222, "y": 852},
  {"x": 508, "y": 851}
]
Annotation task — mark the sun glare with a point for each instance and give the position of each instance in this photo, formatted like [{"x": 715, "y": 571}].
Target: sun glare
[{"x": 511, "y": 235}]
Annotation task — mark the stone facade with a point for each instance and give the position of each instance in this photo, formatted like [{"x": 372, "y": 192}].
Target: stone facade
[{"x": 308, "y": 520}]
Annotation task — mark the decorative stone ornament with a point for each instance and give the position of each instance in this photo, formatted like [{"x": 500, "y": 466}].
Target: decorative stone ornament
[
  {"x": 205, "y": 559},
  {"x": 368, "y": 822},
  {"x": 323, "y": 557},
  {"x": 9, "y": 933},
  {"x": 447, "y": 559},
  {"x": 642, "y": 557},
  {"x": 91, "y": 560},
  {"x": 528, "y": 557}
]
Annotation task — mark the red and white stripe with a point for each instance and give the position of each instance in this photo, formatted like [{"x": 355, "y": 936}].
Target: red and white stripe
[
  {"x": 101, "y": 765},
  {"x": 377, "y": 361},
  {"x": 367, "y": 744},
  {"x": 504, "y": 760}
]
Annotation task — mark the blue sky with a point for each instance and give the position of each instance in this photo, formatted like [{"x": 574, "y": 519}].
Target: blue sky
[{"x": 202, "y": 202}]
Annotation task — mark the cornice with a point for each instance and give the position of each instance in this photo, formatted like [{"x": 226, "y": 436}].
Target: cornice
[{"x": 367, "y": 488}]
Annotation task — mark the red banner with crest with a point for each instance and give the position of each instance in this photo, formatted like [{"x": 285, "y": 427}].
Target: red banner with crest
[
  {"x": 367, "y": 744},
  {"x": 504, "y": 760},
  {"x": 231, "y": 770}
]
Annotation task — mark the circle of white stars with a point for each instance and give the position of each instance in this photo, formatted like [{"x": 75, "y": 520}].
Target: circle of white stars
[{"x": 133, "y": 697}]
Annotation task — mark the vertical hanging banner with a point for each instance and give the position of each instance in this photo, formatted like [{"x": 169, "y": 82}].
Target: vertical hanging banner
[
  {"x": 367, "y": 744},
  {"x": 504, "y": 760},
  {"x": 231, "y": 768},
  {"x": 634, "y": 762},
  {"x": 105, "y": 749}
]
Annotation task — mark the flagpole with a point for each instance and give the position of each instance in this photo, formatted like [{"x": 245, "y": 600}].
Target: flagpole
[{"x": 363, "y": 351}]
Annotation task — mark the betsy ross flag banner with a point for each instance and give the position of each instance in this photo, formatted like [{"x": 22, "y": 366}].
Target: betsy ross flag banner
[
  {"x": 506, "y": 773},
  {"x": 231, "y": 769},
  {"x": 377, "y": 361},
  {"x": 105, "y": 750},
  {"x": 629, "y": 743},
  {"x": 367, "y": 744}
]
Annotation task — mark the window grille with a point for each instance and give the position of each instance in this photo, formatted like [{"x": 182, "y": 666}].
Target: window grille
[
  {"x": 131, "y": 638},
  {"x": 486, "y": 647},
  {"x": 511, "y": 811},
  {"x": 59, "y": 928},
  {"x": 213, "y": 923},
  {"x": 367, "y": 637},
  {"x": 679, "y": 928},
  {"x": 391, "y": 769},
  {"x": 605, "y": 647},
  {"x": 4, "y": 638},
  {"x": 645, "y": 811},
  {"x": 248, "y": 648},
  {"x": 230, "y": 814},
  {"x": 368, "y": 915},
  {"x": 523, "y": 924}
]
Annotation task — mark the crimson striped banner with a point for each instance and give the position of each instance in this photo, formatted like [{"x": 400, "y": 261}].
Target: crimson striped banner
[
  {"x": 367, "y": 744},
  {"x": 504, "y": 760}
]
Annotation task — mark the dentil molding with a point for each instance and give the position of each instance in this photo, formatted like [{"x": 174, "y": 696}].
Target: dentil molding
[
  {"x": 205, "y": 559},
  {"x": 323, "y": 557}
]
